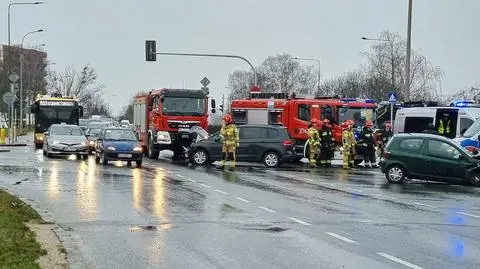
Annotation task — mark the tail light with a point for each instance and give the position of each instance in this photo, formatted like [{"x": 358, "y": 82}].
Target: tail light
[
  {"x": 287, "y": 143},
  {"x": 386, "y": 154}
]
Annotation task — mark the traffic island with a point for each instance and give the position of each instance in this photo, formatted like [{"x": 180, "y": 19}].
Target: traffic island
[{"x": 20, "y": 247}]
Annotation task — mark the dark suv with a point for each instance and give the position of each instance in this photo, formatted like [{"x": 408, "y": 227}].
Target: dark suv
[
  {"x": 269, "y": 144},
  {"x": 428, "y": 156}
]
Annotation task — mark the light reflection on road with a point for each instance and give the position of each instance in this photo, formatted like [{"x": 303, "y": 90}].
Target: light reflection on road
[
  {"x": 137, "y": 188},
  {"x": 53, "y": 191},
  {"x": 159, "y": 201},
  {"x": 86, "y": 191}
]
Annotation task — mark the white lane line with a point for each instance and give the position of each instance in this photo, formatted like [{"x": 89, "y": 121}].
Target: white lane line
[
  {"x": 267, "y": 209},
  {"x": 299, "y": 221},
  {"x": 400, "y": 261},
  {"x": 348, "y": 240},
  {"x": 206, "y": 186},
  {"x": 355, "y": 190},
  {"x": 425, "y": 205},
  {"x": 191, "y": 180},
  {"x": 385, "y": 196},
  {"x": 470, "y": 215},
  {"x": 220, "y": 191},
  {"x": 241, "y": 199},
  {"x": 178, "y": 175}
]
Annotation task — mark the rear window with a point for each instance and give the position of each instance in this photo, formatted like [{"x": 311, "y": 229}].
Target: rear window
[
  {"x": 411, "y": 144},
  {"x": 272, "y": 133}
]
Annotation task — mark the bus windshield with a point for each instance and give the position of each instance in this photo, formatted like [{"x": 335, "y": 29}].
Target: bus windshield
[
  {"x": 53, "y": 115},
  {"x": 356, "y": 114}
]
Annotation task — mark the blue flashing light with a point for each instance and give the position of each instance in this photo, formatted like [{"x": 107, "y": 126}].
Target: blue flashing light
[
  {"x": 370, "y": 101},
  {"x": 349, "y": 99},
  {"x": 461, "y": 103}
]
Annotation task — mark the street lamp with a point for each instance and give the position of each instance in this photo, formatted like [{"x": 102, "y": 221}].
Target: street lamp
[
  {"x": 38, "y": 46},
  {"x": 10, "y": 51},
  {"x": 409, "y": 45},
  {"x": 318, "y": 62},
  {"x": 376, "y": 39},
  {"x": 21, "y": 76}
]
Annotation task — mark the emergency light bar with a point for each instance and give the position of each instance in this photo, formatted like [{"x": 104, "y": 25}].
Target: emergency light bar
[
  {"x": 462, "y": 103},
  {"x": 368, "y": 101}
]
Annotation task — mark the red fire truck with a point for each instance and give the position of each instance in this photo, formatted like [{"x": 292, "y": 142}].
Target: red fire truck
[
  {"x": 163, "y": 118},
  {"x": 296, "y": 113}
]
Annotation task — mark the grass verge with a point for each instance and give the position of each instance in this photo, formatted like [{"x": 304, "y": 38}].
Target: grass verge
[
  {"x": 18, "y": 245},
  {"x": 25, "y": 131}
]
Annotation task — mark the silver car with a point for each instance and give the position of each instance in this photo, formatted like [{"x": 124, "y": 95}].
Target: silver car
[{"x": 63, "y": 139}]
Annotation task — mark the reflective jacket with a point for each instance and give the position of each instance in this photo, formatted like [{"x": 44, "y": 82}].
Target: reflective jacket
[
  {"x": 444, "y": 128},
  {"x": 313, "y": 137},
  {"x": 230, "y": 135},
  {"x": 348, "y": 139}
]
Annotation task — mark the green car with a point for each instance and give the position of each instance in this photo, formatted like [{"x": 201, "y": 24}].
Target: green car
[{"x": 428, "y": 156}]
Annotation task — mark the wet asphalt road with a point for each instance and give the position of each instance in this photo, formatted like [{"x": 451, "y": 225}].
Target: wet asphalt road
[{"x": 288, "y": 217}]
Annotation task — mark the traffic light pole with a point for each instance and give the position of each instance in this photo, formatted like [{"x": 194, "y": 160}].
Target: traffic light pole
[{"x": 214, "y": 55}]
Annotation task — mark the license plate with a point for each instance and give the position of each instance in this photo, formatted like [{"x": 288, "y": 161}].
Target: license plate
[
  {"x": 69, "y": 149},
  {"x": 183, "y": 129},
  {"x": 125, "y": 155}
]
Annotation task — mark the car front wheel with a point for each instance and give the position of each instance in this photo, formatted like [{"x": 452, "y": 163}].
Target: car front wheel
[
  {"x": 475, "y": 179},
  {"x": 271, "y": 159},
  {"x": 199, "y": 157},
  {"x": 395, "y": 174}
]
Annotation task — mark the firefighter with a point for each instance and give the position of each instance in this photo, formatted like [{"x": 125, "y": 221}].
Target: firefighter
[
  {"x": 313, "y": 142},
  {"x": 444, "y": 126},
  {"x": 326, "y": 144},
  {"x": 348, "y": 141},
  {"x": 230, "y": 140},
  {"x": 385, "y": 137},
  {"x": 368, "y": 141}
]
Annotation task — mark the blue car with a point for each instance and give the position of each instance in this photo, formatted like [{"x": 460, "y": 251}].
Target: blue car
[{"x": 118, "y": 144}]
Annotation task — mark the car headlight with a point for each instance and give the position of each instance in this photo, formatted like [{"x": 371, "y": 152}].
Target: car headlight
[
  {"x": 138, "y": 149},
  {"x": 55, "y": 143},
  {"x": 111, "y": 148},
  {"x": 92, "y": 143}
]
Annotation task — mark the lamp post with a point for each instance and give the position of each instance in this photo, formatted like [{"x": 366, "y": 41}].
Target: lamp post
[
  {"x": 10, "y": 49},
  {"x": 409, "y": 45},
  {"x": 21, "y": 77},
  {"x": 318, "y": 62}
]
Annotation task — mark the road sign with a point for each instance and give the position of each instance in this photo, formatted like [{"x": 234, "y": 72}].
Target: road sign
[
  {"x": 392, "y": 97},
  {"x": 9, "y": 98},
  {"x": 205, "y": 82},
  {"x": 13, "y": 78}
]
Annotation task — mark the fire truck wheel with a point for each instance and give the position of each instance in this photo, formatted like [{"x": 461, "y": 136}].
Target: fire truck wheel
[
  {"x": 199, "y": 157},
  {"x": 271, "y": 159},
  {"x": 152, "y": 153}
]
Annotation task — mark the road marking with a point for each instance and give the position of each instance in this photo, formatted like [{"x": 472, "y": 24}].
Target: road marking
[
  {"x": 470, "y": 215},
  {"x": 420, "y": 204},
  {"x": 220, "y": 191},
  {"x": 400, "y": 261},
  {"x": 267, "y": 209},
  {"x": 243, "y": 200},
  {"x": 385, "y": 196},
  {"x": 206, "y": 186},
  {"x": 355, "y": 190},
  {"x": 178, "y": 175},
  {"x": 299, "y": 221},
  {"x": 191, "y": 180},
  {"x": 348, "y": 240}
]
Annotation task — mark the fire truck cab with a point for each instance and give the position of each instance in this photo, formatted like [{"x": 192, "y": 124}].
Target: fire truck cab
[
  {"x": 163, "y": 118},
  {"x": 296, "y": 113}
]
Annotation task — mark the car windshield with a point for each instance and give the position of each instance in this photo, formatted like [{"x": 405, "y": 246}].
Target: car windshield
[
  {"x": 95, "y": 131},
  {"x": 119, "y": 134},
  {"x": 66, "y": 130},
  {"x": 183, "y": 106},
  {"x": 356, "y": 114},
  {"x": 473, "y": 130}
]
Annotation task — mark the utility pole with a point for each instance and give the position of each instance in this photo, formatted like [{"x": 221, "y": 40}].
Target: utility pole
[{"x": 409, "y": 44}]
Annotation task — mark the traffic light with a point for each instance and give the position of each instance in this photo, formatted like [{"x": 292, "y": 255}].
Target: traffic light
[
  {"x": 221, "y": 107},
  {"x": 151, "y": 50}
]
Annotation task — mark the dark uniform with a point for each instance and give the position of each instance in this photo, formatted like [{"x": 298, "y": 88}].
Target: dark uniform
[
  {"x": 385, "y": 137},
  {"x": 326, "y": 144},
  {"x": 368, "y": 142}
]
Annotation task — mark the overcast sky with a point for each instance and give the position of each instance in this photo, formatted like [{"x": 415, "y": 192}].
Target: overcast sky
[{"x": 110, "y": 36}]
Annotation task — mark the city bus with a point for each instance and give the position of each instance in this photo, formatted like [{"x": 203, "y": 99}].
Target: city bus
[{"x": 54, "y": 109}]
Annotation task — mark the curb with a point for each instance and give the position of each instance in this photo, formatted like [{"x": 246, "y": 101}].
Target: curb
[
  {"x": 14, "y": 145},
  {"x": 74, "y": 256},
  {"x": 5, "y": 150}
]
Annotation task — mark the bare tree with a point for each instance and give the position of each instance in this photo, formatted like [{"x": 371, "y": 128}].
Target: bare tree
[
  {"x": 81, "y": 84},
  {"x": 239, "y": 83},
  {"x": 386, "y": 69},
  {"x": 473, "y": 93}
]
